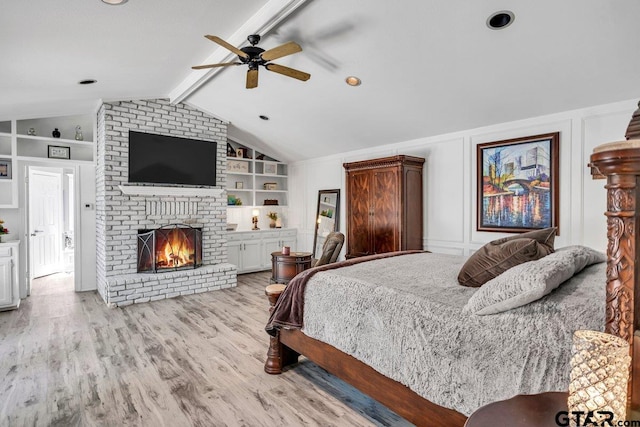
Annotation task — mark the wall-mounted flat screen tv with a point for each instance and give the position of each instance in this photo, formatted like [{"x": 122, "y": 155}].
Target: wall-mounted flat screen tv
[{"x": 161, "y": 159}]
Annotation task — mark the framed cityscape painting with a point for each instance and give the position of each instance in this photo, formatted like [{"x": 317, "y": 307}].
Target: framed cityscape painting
[{"x": 518, "y": 188}]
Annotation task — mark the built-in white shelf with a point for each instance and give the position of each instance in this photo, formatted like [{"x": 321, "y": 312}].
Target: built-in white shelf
[
  {"x": 253, "y": 181},
  {"x": 54, "y": 141}
]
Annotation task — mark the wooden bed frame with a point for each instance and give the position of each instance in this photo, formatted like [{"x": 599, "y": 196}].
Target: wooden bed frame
[{"x": 619, "y": 162}]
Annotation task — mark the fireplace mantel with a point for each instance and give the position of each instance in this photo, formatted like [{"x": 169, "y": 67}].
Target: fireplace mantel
[{"x": 152, "y": 190}]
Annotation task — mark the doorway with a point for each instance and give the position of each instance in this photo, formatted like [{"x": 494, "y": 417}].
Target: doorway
[{"x": 51, "y": 226}]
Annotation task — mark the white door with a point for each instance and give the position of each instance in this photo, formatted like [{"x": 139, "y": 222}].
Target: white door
[
  {"x": 233, "y": 254},
  {"x": 45, "y": 222},
  {"x": 251, "y": 255},
  {"x": 270, "y": 245}
]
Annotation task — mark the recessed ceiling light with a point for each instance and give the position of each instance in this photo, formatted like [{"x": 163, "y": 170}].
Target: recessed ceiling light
[
  {"x": 114, "y": 2},
  {"x": 264, "y": 117},
  {"x": 353, "y": 81},
  {"x": 500, "y": 20},
  {"x": 87, "y": 82}
]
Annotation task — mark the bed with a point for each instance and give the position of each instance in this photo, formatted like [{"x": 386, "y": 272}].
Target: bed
[
  {"x": 417, "y": 330},
  {"x": 439, "y": 403}
]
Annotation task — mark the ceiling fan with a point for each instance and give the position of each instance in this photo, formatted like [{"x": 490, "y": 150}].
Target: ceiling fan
[{"x": 255, "y": 56}]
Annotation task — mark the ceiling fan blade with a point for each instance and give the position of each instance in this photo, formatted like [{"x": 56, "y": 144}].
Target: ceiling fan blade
[
  {"x": 222, "y": 64},
  {"x": 280, "y": 51},
  {"x": 290, "y": 72},
  {"x": 224, "y": 44},
  {"x": 252, "y": 79}
]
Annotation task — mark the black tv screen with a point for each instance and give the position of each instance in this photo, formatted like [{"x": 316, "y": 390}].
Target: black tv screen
[{"x": 161, "y": 159}]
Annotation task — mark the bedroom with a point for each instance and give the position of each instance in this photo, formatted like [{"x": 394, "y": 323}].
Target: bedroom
[{"x": 382, "y": 116}]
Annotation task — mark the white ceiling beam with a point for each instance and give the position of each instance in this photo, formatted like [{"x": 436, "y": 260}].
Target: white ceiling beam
[{"x": 270, "y": 15}]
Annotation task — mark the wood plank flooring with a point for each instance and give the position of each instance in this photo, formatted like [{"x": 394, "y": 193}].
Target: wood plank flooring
[{"x": 68, "y": 360}]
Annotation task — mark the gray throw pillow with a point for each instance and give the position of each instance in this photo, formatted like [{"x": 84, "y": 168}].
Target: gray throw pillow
[
  {"x": 531, "y": 281},
  {"x": 499, "y": 255}
]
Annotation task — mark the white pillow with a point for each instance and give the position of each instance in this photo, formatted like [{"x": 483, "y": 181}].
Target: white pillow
[{"x": 531, "y": 280}]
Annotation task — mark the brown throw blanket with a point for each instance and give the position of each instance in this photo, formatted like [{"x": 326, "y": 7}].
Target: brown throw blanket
[{"x": 288, "y": 311}]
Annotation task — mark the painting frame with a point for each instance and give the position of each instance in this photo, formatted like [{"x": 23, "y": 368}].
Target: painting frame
[
  {"x": 270, "y": 168},
  {"x": 58, "y": 152},
  {"x": 5, "y": 169},
  {"x": 534, "y": 168}
]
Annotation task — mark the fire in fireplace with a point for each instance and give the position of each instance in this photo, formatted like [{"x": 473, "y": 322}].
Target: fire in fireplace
[{"x": 172, "y": 247}]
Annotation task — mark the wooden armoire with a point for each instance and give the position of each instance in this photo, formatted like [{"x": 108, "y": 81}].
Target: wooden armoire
[{"x": 384, "y": 205}]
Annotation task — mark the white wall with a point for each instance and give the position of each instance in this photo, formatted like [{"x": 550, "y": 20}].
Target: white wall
[
  {"x": 85, "y": 264},
  {"x": 450, "y": 183}
]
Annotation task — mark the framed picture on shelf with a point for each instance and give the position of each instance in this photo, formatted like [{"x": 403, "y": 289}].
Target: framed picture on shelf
[
  {"x": 270, "y": 168},
  {"x": 270, "y": 185},
  {"x": 238, "y": 166},
  {"x": 240, "y": 152},
  {"x": 518, "y": 184},
  {"x": 239, "y": 185},
  {"x": 57, "y": 152},
  {"x": 5, "y": 169}
]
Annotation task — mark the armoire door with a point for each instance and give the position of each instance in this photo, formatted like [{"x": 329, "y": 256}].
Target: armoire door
[
  {"x": 385, "y": 221},
  {"x": 359, "y": 208}
]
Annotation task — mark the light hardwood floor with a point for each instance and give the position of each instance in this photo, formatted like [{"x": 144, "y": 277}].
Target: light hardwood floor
[{"x": 68, "y": 360}]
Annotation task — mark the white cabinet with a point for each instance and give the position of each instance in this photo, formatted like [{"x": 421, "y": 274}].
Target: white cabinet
[
  {"x": 251, "y": 255},
  {"x": 251, "y": 250},
  {"x": 6, "y": 296},
  {"x": 9, "y": 294},
  {"x": 244, "y": 249}
]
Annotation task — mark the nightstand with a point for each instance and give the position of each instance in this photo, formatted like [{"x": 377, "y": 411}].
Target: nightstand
[
  {"x": 285, "y": 267},
  {"x": 524, "y": 410}
]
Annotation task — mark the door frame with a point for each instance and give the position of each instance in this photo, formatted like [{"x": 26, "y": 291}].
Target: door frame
[{"x": 77, "y": 233}]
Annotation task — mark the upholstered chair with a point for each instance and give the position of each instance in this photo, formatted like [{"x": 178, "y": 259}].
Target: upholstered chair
[{"x": 330, "y": 249}]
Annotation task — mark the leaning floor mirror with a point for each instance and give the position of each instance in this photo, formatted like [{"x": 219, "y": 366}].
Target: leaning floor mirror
[{"x": 327, "y": 218}]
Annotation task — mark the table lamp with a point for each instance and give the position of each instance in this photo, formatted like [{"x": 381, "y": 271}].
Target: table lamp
[
  {"x": 254, "y": 220},
  {"x": 599, "y": 376}
]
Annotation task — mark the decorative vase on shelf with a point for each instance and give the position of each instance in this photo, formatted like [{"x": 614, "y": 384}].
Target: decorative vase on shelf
[
  {"x": 32, "y": 131},
  {"x": 79, "y": 136},
  {"x": 56, "y": 133},
  {"x": 272, "y": 224}
]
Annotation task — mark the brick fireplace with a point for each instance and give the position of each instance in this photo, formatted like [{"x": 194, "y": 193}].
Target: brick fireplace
[{"x": 122, "y": 210}]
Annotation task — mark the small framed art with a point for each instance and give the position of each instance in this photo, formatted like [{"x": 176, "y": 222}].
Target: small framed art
[
  {"x": 5, "y": 169},
  {"x": 270, "y": 168},
  {"x": 237, "y": 166},
  {"x": 58, "y": 152}
]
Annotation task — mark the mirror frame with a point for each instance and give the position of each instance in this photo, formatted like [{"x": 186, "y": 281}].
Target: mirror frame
[{"x": 336, "y": 216}]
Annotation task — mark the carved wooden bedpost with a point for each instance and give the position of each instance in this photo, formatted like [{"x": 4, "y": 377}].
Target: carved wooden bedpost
[
  {"x": 278, "y": 355},
  {"x": 619, "y": 162}
]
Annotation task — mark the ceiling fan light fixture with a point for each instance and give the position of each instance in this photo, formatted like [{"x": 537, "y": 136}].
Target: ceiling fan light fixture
[
  {"x": 353, "y": 81},
  {"x": 114, "y": 2},
  {"x": 500, "y": 20}
]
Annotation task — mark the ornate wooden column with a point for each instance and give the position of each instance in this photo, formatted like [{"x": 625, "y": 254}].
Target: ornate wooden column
[{"x": 619, "y": 162}]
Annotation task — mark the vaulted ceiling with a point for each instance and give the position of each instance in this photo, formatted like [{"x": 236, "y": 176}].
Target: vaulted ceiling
[{"x": 427, "y": 67}]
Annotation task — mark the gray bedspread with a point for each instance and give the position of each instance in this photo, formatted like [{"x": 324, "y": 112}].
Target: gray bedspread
[{"x": 403, "y": 317}]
